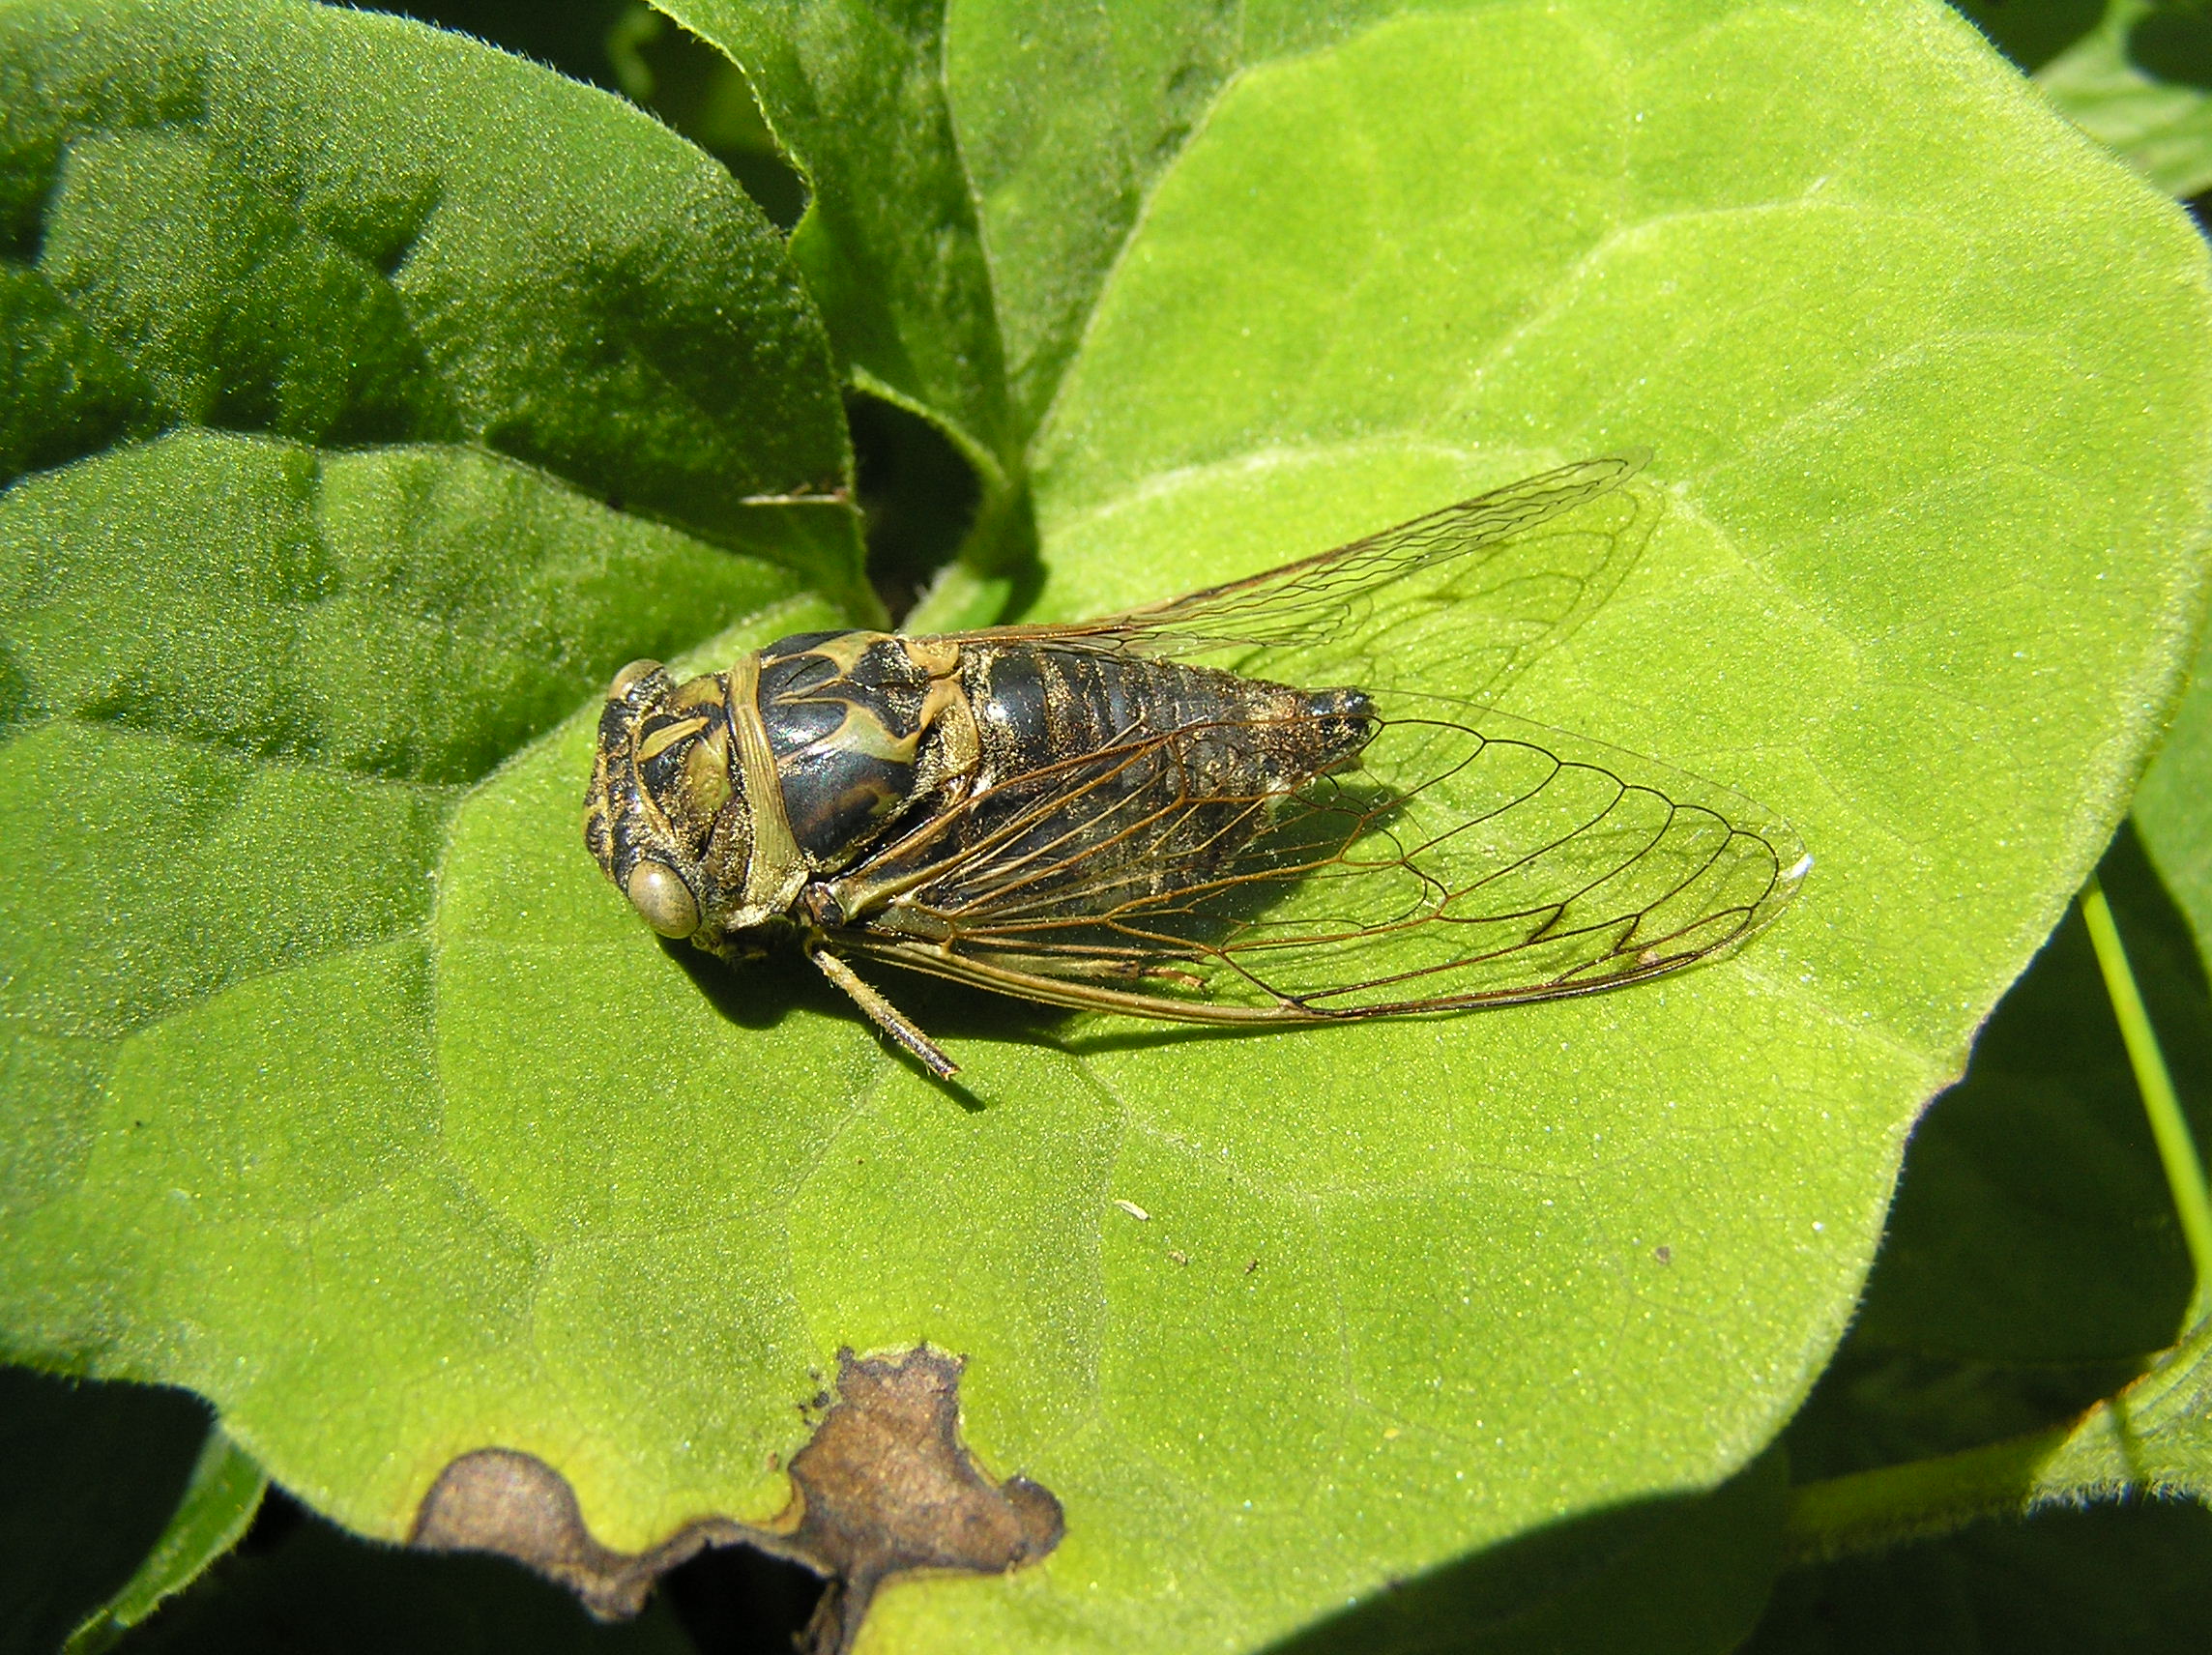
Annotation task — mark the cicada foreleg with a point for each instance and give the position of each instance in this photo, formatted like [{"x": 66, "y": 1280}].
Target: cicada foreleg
[{"x": 884, "y": 1014}]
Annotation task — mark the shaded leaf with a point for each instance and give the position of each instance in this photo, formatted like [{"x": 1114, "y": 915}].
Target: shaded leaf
[
  {"x": 213, "y": 1514},
  {"x": 2173, "y": 806},
  {"x": 280, "y": 243},
  {"x": 2033, "y": 1224},
  {"x": 1687, "y": 1573},
  {"x": 2141, "y": 81},
  {"x": 1901, "y": 1446},
  {"x": 2129, "y": 1580},
  {"x": 316, "y": 1588},
  {"x": 94, "y": 1472},
  {"x": 890, "y": 242}
]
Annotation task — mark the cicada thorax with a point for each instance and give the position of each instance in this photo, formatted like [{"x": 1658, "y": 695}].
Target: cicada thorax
[{"x": 862, "y": 727}]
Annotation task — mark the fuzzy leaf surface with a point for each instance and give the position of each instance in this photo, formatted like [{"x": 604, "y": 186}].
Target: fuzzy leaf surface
[{"x": 394, "y": 392}]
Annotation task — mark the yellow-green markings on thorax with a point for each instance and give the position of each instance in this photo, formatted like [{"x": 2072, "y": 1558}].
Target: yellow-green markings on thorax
[{"x": 715, "y": 801}]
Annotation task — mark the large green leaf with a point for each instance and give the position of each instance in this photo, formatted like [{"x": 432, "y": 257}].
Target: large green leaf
[
  {"x": 489, "y": 419},
  {"x": 1861, "y": 609},
  {"x": 417, "y": 1177}
]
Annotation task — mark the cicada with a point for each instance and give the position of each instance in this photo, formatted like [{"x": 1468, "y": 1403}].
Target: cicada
[{"x": 1232, "y": 807}]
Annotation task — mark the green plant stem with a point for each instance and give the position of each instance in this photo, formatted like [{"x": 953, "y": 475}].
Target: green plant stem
[
  {"x": 1869, "y": 1511},
  {"x": 2125, "y": 1444},
  {"x": 2177, "y": 1149},
  {"x": 1920, "y": 1499}
]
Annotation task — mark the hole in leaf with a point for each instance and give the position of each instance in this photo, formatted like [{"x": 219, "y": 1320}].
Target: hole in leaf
[{"x": 882, "y": 1487}]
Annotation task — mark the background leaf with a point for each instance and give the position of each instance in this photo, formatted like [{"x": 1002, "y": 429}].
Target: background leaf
[
  {"x": 1686, "y": 1573},
  {"x": 2006, "y": 1300},
  {"x": 93, "y": 1473},
  {"x": 2033, "y": 1225},
  {"x": 2033, "y": 32},
  {"x": 251, "y": 670},
  {"x": 2126, "y": 1579},
  {"x": 890, "y": 242},
  {"x": 314, "y": 1587},
  {"x": 2141, "y": 81},
  {"x": 2171, "y": 809},
  {"x": 219, "y": 1503}
]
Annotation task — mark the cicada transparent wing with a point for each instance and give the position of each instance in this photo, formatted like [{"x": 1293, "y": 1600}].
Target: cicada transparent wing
[
  {"x": 1471, "y": 592},
  {"x": 1469, "y": 862},
  {"x": 1250, "y": 804}
]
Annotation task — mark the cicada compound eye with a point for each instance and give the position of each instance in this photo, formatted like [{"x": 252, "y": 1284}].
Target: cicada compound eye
[
  {"x": 629, "y": 676},
  {"x": 658, "y": 891}
]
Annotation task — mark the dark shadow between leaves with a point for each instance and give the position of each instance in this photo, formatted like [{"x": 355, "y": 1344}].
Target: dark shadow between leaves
[
  {"x": 94, "y": 1471},
  {"x": 917, "y": 497},
  {"x": 2033, "y": 32},
  {"x": 2174, "y": 43},
  {"x": 2033, "y": 1224}
]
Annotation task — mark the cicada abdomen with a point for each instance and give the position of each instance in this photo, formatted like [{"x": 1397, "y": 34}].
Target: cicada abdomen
[{"x": 1091, "y": 816}]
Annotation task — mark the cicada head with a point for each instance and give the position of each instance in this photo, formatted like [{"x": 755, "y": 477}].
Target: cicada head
[{"x": 665, "y": 815}]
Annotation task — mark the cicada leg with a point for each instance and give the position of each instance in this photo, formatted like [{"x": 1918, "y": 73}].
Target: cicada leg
[{"x": 884, "y": 1014}]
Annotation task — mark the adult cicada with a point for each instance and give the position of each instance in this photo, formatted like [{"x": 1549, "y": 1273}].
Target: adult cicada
[{"x": 1148, "y": 813}]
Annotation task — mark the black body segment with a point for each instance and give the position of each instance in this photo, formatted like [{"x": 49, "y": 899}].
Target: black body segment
[
  {"x": 846, "y": 715},
  {"x": 867, "y": 728},
  {"x": 1102, "y": 778},
  {"x": 1036, "y": 704}
]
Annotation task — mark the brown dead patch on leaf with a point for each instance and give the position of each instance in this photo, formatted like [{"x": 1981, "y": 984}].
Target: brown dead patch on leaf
[
  {"x": 498, "y": 1499},
  {"x": 884, "y": 1487}
]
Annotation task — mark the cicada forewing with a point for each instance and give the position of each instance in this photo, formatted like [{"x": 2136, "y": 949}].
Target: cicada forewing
[
  {"x": 1457, "y": 601},
  {"x": 1468, "y": 860}
]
